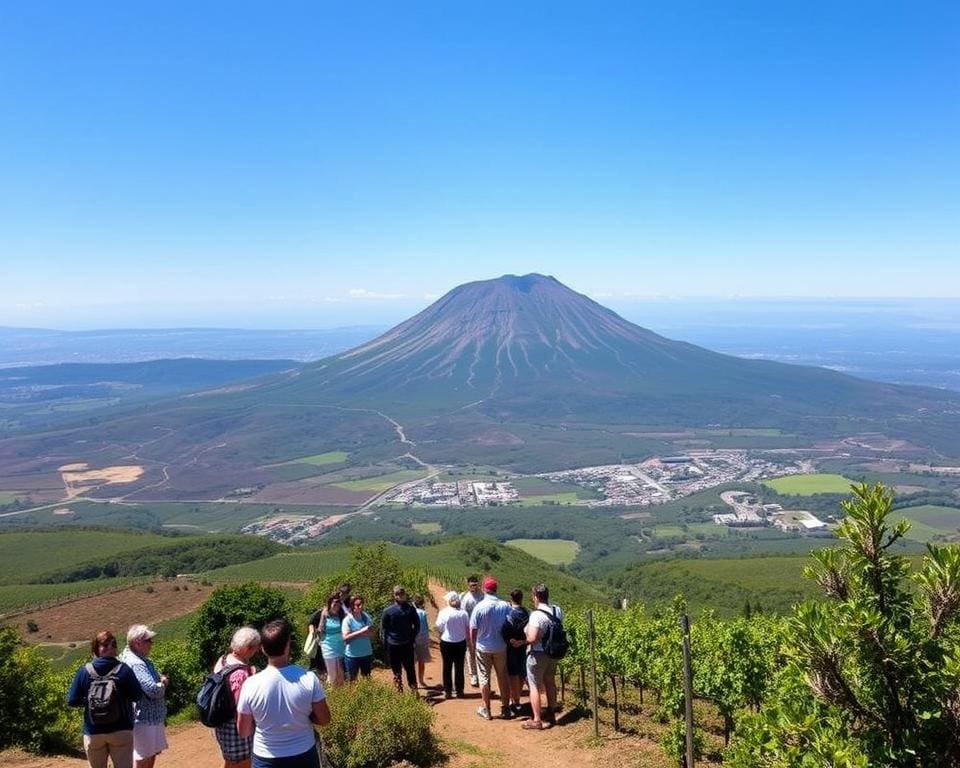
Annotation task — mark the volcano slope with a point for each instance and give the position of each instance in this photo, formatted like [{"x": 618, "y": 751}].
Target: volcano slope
[{"x": 518, "y": 372}]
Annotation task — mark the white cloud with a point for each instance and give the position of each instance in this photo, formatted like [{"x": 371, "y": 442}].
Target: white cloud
[{"x": 363, "y": 293}]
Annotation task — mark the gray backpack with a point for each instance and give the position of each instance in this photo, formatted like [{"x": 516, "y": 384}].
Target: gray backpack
[{"x": 104, "y": 699}]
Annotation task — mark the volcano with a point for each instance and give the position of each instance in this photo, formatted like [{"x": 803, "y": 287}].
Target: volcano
[
  {"x": 528, "y": 346},
  {"x": 515, "y": 372}
]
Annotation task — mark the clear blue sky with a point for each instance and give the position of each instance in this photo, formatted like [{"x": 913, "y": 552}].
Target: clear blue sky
[{"x": 235, "y": 163}]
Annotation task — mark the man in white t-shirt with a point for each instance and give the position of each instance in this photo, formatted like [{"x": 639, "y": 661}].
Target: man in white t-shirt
[
  {"x": 280, "y": 705},
  {"x": 541, "y": 669},
  {"x": 468, "y": 601}
]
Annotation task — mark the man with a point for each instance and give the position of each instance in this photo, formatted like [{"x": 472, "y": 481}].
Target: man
[
  {"x": 280, "y": 705},
  {"x": 541, "y": 669},
  {"x": 486, "y": 624},
  {"x": 515, "y": 633},
  {"x": 468, "y": 601},
  {"x": 399, "y": 627}
]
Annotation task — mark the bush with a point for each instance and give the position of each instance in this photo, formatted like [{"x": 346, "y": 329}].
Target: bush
[
  {"x": 230, "y": 608},
  {"x": 32, "y": 707},
  {"x": 374, "y": 727},
  {"x": 178, "y": 661}
]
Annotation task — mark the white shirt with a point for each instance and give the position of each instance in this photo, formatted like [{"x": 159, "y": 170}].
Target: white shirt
[
  {"x": 453, "y": 624},
  {"x": 280, "y": 701},
  {"x": 541, "y": 622}
]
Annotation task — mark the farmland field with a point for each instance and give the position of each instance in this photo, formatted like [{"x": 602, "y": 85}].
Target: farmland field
[
  {"x": 16, "y": 596},
  {"x": 808, "y": 485},
  {"x": 322, "y": 459},
  {"x": 553, "y": 551},
  {"x": 427, "y": 529},
  {"x": 930, "y": 521},
  {"x": 570, "y": 497},
  {"x": 25, "y": 556},
  {"x": 6, "y": 497},
  {"x": 381, "y": 483}
]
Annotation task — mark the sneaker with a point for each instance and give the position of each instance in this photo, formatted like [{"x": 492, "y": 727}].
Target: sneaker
[
  {"x": 475, "y": 681},
  {"x": 506, "y": 713},
  {"x": 517, "y": 709},
  {"x": 484, "y": 713}
]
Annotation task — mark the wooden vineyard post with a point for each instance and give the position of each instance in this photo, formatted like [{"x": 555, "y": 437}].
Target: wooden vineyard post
[
  {"x": 687, "y": 688},
  {"x": 593, "y": 668}
]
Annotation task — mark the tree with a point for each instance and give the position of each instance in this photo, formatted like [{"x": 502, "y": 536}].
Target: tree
[
  {"x": 229, "y": 608},
  {"x": 881, "y": 659}
]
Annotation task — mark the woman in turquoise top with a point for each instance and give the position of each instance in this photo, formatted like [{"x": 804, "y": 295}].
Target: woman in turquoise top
[
  {"x": 357, "y": 628},
  {"x": 332, "y": 646}
]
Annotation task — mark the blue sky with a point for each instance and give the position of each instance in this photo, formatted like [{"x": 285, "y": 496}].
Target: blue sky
[{"x": 232, "y": 163}]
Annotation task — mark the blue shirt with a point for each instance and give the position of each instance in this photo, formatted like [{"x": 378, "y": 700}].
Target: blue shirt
[
  {"x": 126, "y": 682},
  {"x": 332, "y": 643},
  {"x": 424, "y": 633},
  {"x": 152, "y": 707},
  {"x": 359, "y": 647},
  {"x": 488, "y": 619}
]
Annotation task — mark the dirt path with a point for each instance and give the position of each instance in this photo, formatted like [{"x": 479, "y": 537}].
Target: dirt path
[{"x": 471, "y": 741}]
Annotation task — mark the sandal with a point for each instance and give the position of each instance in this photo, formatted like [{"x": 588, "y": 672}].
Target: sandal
[{"x": 532, "y": 725}]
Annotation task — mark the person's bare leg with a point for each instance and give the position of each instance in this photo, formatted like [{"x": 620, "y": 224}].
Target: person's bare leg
[
  {"x": 535, "y": 705},
  {"x": 550, "y": 683},
  {"x": 421, "y": 669}
]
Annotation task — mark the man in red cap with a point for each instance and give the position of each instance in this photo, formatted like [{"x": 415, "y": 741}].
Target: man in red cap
[{"x": 486, "y": 623}]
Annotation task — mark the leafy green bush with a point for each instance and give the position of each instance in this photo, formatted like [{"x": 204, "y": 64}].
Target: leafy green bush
[
  {"x": 32, "y": 707},
  {"x": 373, "y": 727},
  {"x": 178, "y": 661},
  {"x": 229, "y": 608},
  {"x": 873, "y": 671}
]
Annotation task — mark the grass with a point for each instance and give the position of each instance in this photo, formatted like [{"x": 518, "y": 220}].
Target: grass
[
  {"x": 929, "y": 522},
  {"x": 553, "y": 551},
  {"x": 6, "y": 497},
  {"x": 571, "y": 497},
  {"x": 427, "y": 529},
  {"x": 322, "y": 459},
  {"x": 27, "y": 555},
  {"x": 669, "y": 531},
  {"x": 808, "y": 485},
  {"x": 381, "y": 483},
  {"x": 16, "y": 596},
  {"x": 450, "y": 560}
]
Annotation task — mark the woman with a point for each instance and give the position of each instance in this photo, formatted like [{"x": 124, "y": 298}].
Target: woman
[
  {"x": 332, "y": 647},
  {"x": 357, "y": 629},
  {"x": 421, "y": 646},
  {"x": 106, "y": 733},
  {"x": 149, "y": 735},
  {"x": 514, "y": 632},
  {"x": 453, "y": 624},
  {"x": 245, "y": 644},
  {"x": 316, "y": 658}
]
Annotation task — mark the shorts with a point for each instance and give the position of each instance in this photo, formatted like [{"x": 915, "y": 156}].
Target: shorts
[
  {"x": 540, "y": 667},
  {"x": 517, "y": 661},
  {"x": 148, "y": 740},
  {"x": 421, "y": 650},
  {"x": 309, "y": 759},
  {"x": 488, "y": 663},
  {"x": 234, "y": 747},
  {"x": 357, "y": 665}
]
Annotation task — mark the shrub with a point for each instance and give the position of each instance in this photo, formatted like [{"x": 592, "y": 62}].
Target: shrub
[
  {"x": 32, "y": 626},
  {"x": 230, "y": 608},
  {"x": 32, "y": 707},
  {"x": 178, "y": 661},
  {"x": 374, "y": 727}
]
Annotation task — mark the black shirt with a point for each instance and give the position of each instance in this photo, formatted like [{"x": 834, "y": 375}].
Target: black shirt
[{"x": 400, "y": 624}]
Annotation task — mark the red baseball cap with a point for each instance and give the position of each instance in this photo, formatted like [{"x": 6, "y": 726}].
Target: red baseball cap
[{"x": 490, "y": 584}]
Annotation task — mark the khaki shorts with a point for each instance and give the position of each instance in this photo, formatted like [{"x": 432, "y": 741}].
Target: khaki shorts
[
  {"x": 118, "y": 746},
  {"x": 488, "y": 663},
  {"x": 540, "y": 667}
]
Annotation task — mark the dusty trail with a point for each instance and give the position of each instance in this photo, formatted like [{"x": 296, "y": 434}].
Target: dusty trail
[{"x": 470, "y": 741}]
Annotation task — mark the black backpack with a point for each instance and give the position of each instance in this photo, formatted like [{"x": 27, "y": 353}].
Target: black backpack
[
  {"x": 554, "y": 637},
  {"x": 104, "y": 698},
  {"x": 215, "y": 699}
]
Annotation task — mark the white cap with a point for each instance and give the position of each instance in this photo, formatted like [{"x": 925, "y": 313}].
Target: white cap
[{"x": 139, "y": 632}]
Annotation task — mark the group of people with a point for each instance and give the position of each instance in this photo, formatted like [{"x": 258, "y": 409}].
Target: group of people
[
  {"x": 339, "y": 639},
  {"x": 124, "y": 701},
  {"x": 276, "y": 708},
  {"x": 123, "y": 694},
  {"x": 501, "y": 639},
  {"x": 490, "y": 636}
]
